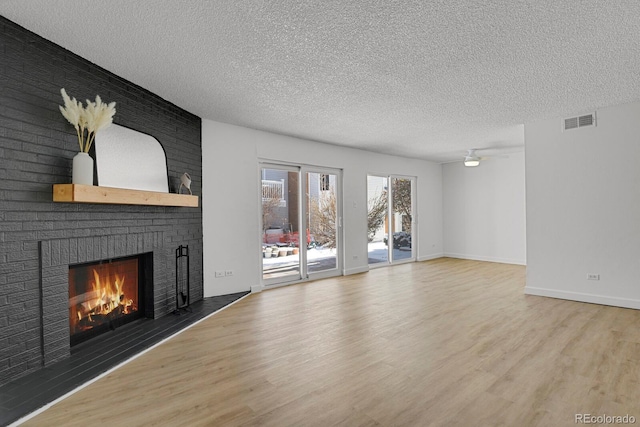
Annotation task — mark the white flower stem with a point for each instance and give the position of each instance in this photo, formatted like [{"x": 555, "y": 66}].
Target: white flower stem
[
  {"x": 90, "y": 139},
  {"x": 79, "y": 138},
  {"x": 82, "y": 139}
]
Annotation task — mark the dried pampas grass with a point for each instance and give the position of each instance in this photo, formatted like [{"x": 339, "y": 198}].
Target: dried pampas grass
[{"x": 90, "y": 119}]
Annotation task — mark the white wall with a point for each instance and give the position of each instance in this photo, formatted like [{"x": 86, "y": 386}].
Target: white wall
[
  {"x": 583, "y": 208},
  {"x": 231, "y": 194},
  {"x": 484, "y": 210}
]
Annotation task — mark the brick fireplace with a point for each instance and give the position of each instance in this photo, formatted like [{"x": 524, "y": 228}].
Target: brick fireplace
[
  {"x": 40, "y": 239},
  {"x": 58, "y": 256}
]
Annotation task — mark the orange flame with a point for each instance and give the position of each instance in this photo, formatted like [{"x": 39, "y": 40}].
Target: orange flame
[{"x": 106, "y": 296}]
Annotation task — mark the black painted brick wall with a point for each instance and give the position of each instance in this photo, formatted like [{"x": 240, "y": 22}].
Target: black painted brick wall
[{"x": 36, "y": 148}]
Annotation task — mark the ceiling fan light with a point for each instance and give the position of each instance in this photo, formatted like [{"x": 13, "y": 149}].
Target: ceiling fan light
[{"x": 471, "y": 160}]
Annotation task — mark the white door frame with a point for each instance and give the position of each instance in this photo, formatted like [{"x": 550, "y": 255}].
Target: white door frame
[
  {"x": 303, "y": 274},
  {"x": 414, "y": 222},
  {"x": 339, "y": 228},
  {"x": 293, "y": 278},
  {"x": 413, "y": 180}
]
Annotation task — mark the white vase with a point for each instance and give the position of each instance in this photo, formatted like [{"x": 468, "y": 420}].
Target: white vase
[{"x": 82, "y": 169}]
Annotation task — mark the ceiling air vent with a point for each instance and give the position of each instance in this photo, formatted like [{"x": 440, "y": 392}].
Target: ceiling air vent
[{"x": 579, "y": 122}]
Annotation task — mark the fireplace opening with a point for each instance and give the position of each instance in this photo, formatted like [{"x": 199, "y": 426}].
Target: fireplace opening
[{"x": 106, "y": 294}]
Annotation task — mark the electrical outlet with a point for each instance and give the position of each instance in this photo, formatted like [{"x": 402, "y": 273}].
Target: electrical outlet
[
  {"x": 228, "y": 273},
  {"x": 219, "y": 273},
  {"x": 593, "y": 277}
]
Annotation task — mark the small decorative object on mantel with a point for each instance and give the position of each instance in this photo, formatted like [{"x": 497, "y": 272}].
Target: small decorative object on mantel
[
  {"x": 87, "y": 121},
  {"x": 185, "y": 181}
]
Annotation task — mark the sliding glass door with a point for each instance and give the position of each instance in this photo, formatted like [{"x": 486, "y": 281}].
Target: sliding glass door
[
  {"x": 294, "y": 195},
  {"x": 323, "y": 223},
  {"x": 390, "y": 219},
  {"x": 401, "y": 213},
  {"x": 281, "y": 223},
  {"x": 377, "y": 220}
]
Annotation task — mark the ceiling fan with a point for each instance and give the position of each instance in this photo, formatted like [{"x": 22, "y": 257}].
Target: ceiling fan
[{"x": 472, "y": 159}]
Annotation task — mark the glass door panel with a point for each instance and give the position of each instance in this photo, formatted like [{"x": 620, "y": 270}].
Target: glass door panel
[
  {"x": 322, "y": 222},
  {"x": 280, "y": 224},
  {"x": 377, "y": 219},
  {"x": 401, "y": 219}
]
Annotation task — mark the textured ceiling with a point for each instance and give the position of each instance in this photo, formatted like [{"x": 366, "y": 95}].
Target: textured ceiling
[{"x": 427, "y": 79}]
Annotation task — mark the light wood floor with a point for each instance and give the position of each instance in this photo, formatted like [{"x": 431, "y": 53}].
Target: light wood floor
[{"x": 445, "y": 342}]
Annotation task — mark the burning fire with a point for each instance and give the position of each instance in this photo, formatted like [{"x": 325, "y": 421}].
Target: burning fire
[{"x": 105, "y": 300}]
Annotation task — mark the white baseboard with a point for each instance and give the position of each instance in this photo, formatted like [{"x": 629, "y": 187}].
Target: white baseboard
[
  {"x": 350, "y": 271},
  {"x": 430, "y": 257},
  {"x": 257, "y": 288},
  {"x": 582, "y": 297},
  {"x": 485, "y": 258}
]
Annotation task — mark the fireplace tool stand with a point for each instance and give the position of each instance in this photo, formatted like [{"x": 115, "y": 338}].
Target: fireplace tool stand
[{"x": 182, "y": 279}]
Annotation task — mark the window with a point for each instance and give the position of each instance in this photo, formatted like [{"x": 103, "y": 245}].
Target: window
[{"x": 324, "y": 182}]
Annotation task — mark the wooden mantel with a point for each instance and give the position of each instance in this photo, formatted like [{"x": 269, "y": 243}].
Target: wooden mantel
[{"x": 75, "y": 193}]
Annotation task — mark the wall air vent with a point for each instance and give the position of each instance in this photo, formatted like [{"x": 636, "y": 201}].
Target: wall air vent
[{"x": 579, "y": 122}]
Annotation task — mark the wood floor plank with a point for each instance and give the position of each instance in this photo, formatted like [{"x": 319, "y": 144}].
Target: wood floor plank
[{"x": 444, "y": 342}]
